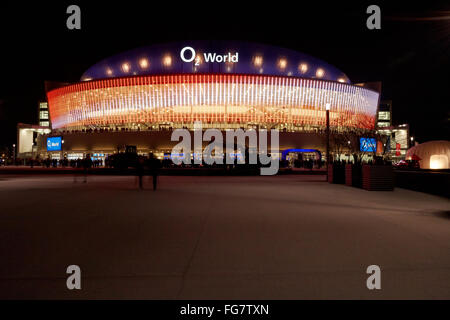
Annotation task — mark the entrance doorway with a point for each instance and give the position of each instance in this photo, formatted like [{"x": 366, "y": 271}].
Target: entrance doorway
[{"x": 303, "y": 158}]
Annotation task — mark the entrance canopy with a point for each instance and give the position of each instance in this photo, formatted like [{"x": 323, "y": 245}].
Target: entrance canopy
[{"x": 287, "y": 151}]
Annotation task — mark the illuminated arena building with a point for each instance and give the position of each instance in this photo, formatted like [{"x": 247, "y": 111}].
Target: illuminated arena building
[{"x": 137, "y": 97}]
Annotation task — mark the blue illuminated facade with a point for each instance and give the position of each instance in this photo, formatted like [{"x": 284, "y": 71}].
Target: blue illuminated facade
[{"x": 252, "y": 59}]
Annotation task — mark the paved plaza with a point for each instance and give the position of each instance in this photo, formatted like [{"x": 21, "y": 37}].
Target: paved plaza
[{"x": 280, "y": 237}]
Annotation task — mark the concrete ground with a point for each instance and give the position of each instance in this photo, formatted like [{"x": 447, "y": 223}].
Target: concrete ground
[{"x": 282, "y": 237}]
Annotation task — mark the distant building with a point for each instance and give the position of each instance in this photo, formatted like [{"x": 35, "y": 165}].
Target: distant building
[
  {"x": 137, "y": 98},
  {"x": 44, "y": 117},
  {"x": 398, "y": 137},
  {"x": 384, "y": 115},
  {"x": 27, "y": 135}
]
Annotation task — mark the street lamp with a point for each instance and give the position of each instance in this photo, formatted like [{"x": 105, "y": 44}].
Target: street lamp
[
  {"x": 327, "y": 107},
  {"x": 14, "y": 154},
  {"x": 62, "y": 154},
  {"x": 349, "y": 151}
]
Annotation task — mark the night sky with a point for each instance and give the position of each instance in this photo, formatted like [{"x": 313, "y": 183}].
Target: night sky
[{"x": 410, "y": 54}]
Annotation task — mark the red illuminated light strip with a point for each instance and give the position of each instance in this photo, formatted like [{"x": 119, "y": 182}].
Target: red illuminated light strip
[{"x": 135, "y": 99}]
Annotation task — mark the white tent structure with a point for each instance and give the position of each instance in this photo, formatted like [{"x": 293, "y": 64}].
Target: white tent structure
[{"x": 433, "y": 154}]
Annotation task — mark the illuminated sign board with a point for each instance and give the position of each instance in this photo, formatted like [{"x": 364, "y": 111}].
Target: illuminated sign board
[
  {"x": 207, "y": 57},
  {"x": 368, "y": 144},
  {"x": 54, "y": 144}
]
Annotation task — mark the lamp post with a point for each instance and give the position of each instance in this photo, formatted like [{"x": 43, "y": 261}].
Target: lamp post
[
  {"x": 14, "y": 154},
  {"x": 349, "y": 150},
  {"x": 328, "y": 106},
  {"x": 62, "y": 153}
]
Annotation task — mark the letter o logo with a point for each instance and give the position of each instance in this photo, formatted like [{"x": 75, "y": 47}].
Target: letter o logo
[{"x": 184, "y": 50}]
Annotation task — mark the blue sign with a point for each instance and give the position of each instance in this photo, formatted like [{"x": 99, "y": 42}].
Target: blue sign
[
  {"x": 54, "y": 144},
  {"x": 368, "y": 144}
]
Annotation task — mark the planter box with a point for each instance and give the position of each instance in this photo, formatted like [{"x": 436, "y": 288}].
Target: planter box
[
  {"x": 353, "y": 175},
  {"x": 378, "y": 178},
  {"x": 336, "y": 173}
]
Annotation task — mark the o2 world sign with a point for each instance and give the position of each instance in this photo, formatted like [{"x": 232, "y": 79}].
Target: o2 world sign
[
  {"x": 54, "y": 144},
  {"x": 207, "y": 56}
]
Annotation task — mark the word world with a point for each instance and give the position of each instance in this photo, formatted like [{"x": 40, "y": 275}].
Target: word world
[{"x": 207, "y": 56}]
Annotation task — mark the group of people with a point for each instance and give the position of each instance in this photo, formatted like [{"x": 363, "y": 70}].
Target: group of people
[
  {"x": 149, "y": 165},
  {"x": 85, "y": 164},
  {"x": 54, "y": 163},
  {"x": 308, "y": 163}
]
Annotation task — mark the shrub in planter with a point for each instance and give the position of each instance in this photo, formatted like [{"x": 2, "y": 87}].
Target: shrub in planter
[
  {"x": 378, "y": 177},
  {"x": 353, "y": 175},
  {"x": 336, "y": 173}
]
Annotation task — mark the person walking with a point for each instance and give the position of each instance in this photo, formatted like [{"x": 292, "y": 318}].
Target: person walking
[
  {"x": 87, "y": 164},
  {"x": 154, "y": 168},
  {"x": 140, "y": 171}
]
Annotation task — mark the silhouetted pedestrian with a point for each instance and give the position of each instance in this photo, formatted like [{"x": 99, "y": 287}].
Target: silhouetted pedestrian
[
  {"x": 154, "y": 168},
  {"x": 87, "y": 164},
  {"x": 140, "y": 171}
]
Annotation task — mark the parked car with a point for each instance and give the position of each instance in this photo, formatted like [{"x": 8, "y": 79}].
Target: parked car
[{"x": 407, "y": 164}]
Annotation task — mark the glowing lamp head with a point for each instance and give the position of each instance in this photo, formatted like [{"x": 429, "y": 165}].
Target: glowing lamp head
[
  {"x": 342, "y": 80},
  {"x": 109, "y": 72},
  {"x": 257, "y": 61},
  {"x": 282, "y": 63},
  {"x": 319, "y": 73},
  {"x": 328, "y": 106},
  {"x": 143, "y": 63},
  {"x": 125, "y": 67},
  {"x": 303, "y": 68},
  {"x": 167, "y": 61},
  {"x": 198, "y": 59}
]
